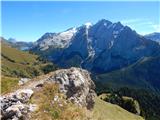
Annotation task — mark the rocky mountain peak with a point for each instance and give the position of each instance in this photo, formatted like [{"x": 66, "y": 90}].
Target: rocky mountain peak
[
  {"x": 109, "y": 25},
  {"x": 46, "y": 35},
  {"x": 56, "y": 40},
  {"x": 104, "y": 22},
  {"x": 117, "y": 26}
]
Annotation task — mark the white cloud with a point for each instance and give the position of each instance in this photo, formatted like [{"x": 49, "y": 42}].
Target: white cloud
[
  {"x": 142, "y": 26},
  {"x": 156, "y": 27},
  {"x": 128, "y": 21},
  {"x": 137, "y": 21}
]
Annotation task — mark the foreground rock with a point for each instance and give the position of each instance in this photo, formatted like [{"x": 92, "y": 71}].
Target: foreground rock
[
  {"x": 75, "y": 83},
  {"x": 14, "y": 105},
  {"x": 77, "y": 86},
  {"x": 22, "y": 81}
]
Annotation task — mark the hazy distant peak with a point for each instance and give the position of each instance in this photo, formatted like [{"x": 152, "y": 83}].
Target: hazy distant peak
[
  {"x": 154, "y": 33},
  {"x": 153, "y": 36},
  {"x": 13, "y": 40}
]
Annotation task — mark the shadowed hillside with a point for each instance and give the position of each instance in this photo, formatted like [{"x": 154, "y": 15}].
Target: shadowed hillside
[{"x": 142, "y": 74}]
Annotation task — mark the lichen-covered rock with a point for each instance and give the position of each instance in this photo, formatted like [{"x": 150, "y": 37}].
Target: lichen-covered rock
[
  {"x": 14, "y": 105},
  {"x": 77, "y": 86}
]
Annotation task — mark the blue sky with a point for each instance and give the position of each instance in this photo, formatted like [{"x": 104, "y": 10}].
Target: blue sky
[{"x": 28, "y": 21}]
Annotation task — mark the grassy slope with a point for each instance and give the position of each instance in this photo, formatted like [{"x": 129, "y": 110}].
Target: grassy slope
[
  {"x": 16, "y": 63},
  {"x": 8, "y": 84},
  {"x": 143, "y": 74},
  {"x": 128, "y": 103},
  {"x": 108, "y": 111}
]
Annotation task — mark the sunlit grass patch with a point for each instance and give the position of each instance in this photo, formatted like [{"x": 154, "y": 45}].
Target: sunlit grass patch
[{"x": 8, "y": 84}]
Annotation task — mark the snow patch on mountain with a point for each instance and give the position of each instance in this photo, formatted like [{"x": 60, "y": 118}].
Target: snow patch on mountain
[
  {"x": 111, "y": 44},
  {"x": 115, "y": 34},
  {"x": 58, "y": 40},
  {"x": 88, "y": 24},
  {"x": 105, "y": 24},
  {"x": 68, "y": 34},
  {"x": 91, "y": 51}
]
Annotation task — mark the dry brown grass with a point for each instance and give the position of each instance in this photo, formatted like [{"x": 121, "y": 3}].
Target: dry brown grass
[{"x": 61, "y": 109}]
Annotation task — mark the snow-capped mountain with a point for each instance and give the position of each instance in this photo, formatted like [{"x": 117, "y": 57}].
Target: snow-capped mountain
[
  {"x": 153, "y": 36},
  {"x": 56, "y": 40},
  {"x": 99, "y": 47}
]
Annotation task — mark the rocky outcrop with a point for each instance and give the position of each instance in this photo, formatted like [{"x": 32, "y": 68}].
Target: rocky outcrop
[
  {"x": 75, "y": 83},
  {"x": 77, "y": 86},
  {"x": 14, "y": 105}
]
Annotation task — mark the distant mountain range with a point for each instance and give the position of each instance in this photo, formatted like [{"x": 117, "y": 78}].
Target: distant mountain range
[
  {"x": 153, "y": 36},
  {"x": 21, "y": 45},
  {"x": 99, "y": 48}
]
